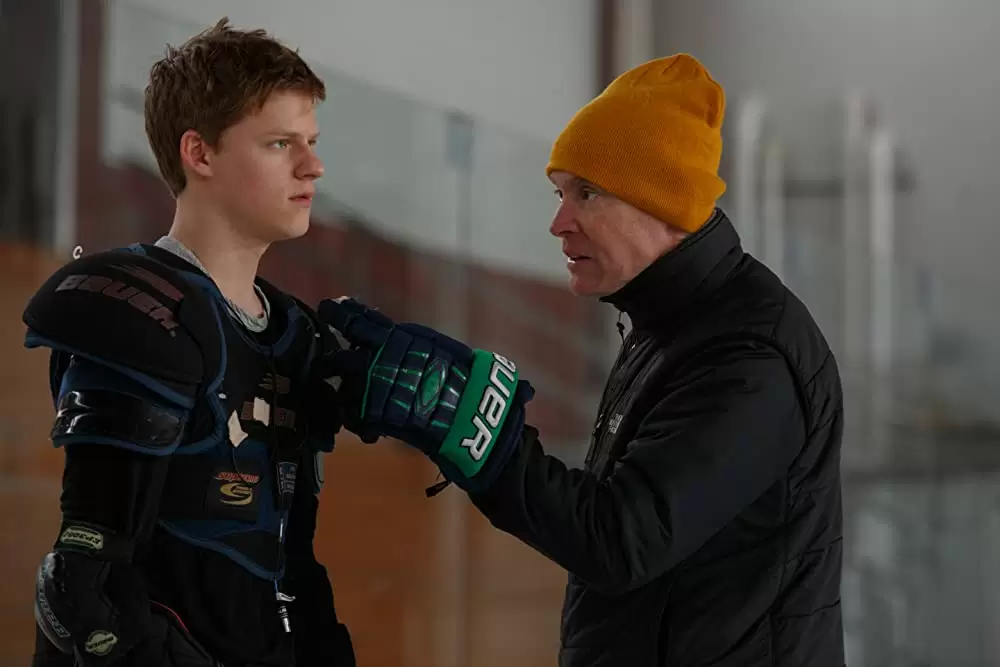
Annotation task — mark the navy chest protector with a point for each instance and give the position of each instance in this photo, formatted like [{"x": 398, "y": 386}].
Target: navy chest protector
[{"x": 233, "y": 475}]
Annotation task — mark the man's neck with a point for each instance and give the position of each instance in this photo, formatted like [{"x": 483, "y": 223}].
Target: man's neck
[{"x": 229, "y": 258}]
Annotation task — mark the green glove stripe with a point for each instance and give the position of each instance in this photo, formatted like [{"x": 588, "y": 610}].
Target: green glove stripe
[
  {"x": 481, "y": 412},
  {"x": 403, "y": 404},
  {"x": 368, "y": 380},
  {"x": 439, "y": 423},
  {"x": 460, "y": 374},
  {"x": 398, "y": 369}
]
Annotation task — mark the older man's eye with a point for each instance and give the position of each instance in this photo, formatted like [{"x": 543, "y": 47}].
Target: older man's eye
[{"x": 281, "y": 143}]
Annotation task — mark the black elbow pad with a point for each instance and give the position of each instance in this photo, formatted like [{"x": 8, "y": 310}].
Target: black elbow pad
[{"x": 94, "y": 609}]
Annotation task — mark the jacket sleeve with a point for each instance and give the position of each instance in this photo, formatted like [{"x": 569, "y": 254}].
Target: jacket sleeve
[{"x": 725, "y": 429}]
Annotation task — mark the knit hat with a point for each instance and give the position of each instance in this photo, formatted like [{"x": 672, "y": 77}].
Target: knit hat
[{"x": 653, "y": 139}]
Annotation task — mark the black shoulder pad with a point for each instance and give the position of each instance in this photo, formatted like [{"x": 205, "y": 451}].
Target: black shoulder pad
[{"x": 129, "y": 311}]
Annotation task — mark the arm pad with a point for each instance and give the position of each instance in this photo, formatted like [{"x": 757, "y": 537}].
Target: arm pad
[
  {"x": 94, "y": 609},
  {"x": 103, "y": 406},
  {"x": 90, "y": 601}
]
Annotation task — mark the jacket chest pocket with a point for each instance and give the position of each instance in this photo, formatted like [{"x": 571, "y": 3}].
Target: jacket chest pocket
[
  {"x": 608, "y": 438},
  {"x": 623, "y": 405}
]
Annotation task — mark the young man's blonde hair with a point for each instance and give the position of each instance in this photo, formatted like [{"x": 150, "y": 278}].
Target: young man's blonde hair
[{"x": 213, "y": 81}]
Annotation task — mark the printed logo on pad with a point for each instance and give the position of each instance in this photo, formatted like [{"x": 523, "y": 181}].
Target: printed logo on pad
[
  {"x": 237, "y": 489},
  {"x": 118, "y": 290},
  {"x": 81, "y": 536},
  {"x": 100, "y": 642},
  {"x": 232, "y": 494}
]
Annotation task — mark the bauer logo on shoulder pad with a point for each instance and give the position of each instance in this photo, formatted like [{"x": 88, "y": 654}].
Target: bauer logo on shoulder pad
[
  {"x": 81, "y": 536},
  {"x": 135, "y": 297},
  {"x": 481, "y": 412}
]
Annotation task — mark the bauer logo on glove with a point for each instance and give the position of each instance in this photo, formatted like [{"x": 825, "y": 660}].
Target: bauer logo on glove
[{"x": 475, "y": 432}]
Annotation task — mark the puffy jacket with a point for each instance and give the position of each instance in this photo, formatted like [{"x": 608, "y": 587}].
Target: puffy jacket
[{"x": 706, "y": 527}]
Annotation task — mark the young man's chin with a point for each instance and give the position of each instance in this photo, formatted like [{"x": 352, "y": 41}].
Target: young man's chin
[{"x": 293, "y": 228}]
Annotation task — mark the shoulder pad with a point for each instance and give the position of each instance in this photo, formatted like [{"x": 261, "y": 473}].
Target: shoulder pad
[{"x": 127, "y": 311}]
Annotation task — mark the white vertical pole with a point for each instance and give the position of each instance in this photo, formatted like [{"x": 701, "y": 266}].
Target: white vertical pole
[
  {"x": 773, "y": 208},
  {"x": 634, "y": 43},
  {"x": 883, "y": 231},
  {"x": 64, "y": 229},
  {"x": 749, "y": 127},
  {"x": 882, "y": 298},
  {"x": 856, "y": 250}
]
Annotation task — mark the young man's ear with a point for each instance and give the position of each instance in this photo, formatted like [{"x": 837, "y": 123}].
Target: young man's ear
[{"x": 196, "y": 154}]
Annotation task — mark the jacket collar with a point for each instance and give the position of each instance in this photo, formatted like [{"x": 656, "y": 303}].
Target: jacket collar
[{"x": 688, "y": 273}]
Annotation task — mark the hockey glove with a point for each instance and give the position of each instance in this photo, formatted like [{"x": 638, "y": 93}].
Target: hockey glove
[{"x": 463, "y": 408}]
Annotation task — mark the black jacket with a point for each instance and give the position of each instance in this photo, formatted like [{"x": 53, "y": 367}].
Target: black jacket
[{"x": 706, "y": 528}]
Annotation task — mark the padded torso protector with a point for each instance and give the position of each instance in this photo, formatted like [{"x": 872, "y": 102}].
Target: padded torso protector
[{"x": 160, "y": 321}]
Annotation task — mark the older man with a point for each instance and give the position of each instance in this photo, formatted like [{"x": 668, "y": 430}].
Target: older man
[{"x": 705, "y": 528}]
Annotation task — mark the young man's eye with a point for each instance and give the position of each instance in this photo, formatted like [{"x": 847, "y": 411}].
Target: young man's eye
[
  {"x": 281, "y": 143},
  {"x": 558, "y": 193},
  {"x": 588, "y": 194}
]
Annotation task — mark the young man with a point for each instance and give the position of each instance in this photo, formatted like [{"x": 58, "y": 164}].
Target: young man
[
  {"x": 706, "y": 525},
  {"x": 182, "y": 384}
]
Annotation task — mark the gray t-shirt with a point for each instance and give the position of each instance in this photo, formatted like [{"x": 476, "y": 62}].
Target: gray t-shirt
[{"x": 251, "y": 322}]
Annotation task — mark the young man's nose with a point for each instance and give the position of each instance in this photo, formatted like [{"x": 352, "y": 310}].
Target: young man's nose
[{"x": 312, "y": 167}]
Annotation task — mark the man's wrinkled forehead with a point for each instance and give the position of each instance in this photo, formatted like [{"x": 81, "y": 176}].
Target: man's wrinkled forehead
[{"x": 568, "y": 180}]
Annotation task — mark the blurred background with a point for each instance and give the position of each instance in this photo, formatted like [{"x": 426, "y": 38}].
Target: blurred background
[{"x": 861, "y": 157}]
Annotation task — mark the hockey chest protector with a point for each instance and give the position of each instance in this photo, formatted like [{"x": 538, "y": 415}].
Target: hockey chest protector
[
  {"x": 231, "y": 483},
  {"x": 248, "y": 439}
]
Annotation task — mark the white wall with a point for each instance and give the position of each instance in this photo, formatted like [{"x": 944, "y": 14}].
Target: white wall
[
  {"x": 931, "y": 66},
  {"x": 520, "y": 68},
  {"x": 523, "y": 64}
]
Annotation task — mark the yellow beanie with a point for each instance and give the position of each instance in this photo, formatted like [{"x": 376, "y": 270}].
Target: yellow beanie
[{"x": 653, "y": 138}]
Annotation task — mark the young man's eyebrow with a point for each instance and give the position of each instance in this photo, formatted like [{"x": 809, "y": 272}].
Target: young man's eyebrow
[{"x": 292, "y": 135}]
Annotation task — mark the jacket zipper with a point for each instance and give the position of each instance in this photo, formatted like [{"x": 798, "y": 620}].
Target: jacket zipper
[{"x": 628, "y": 344}]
